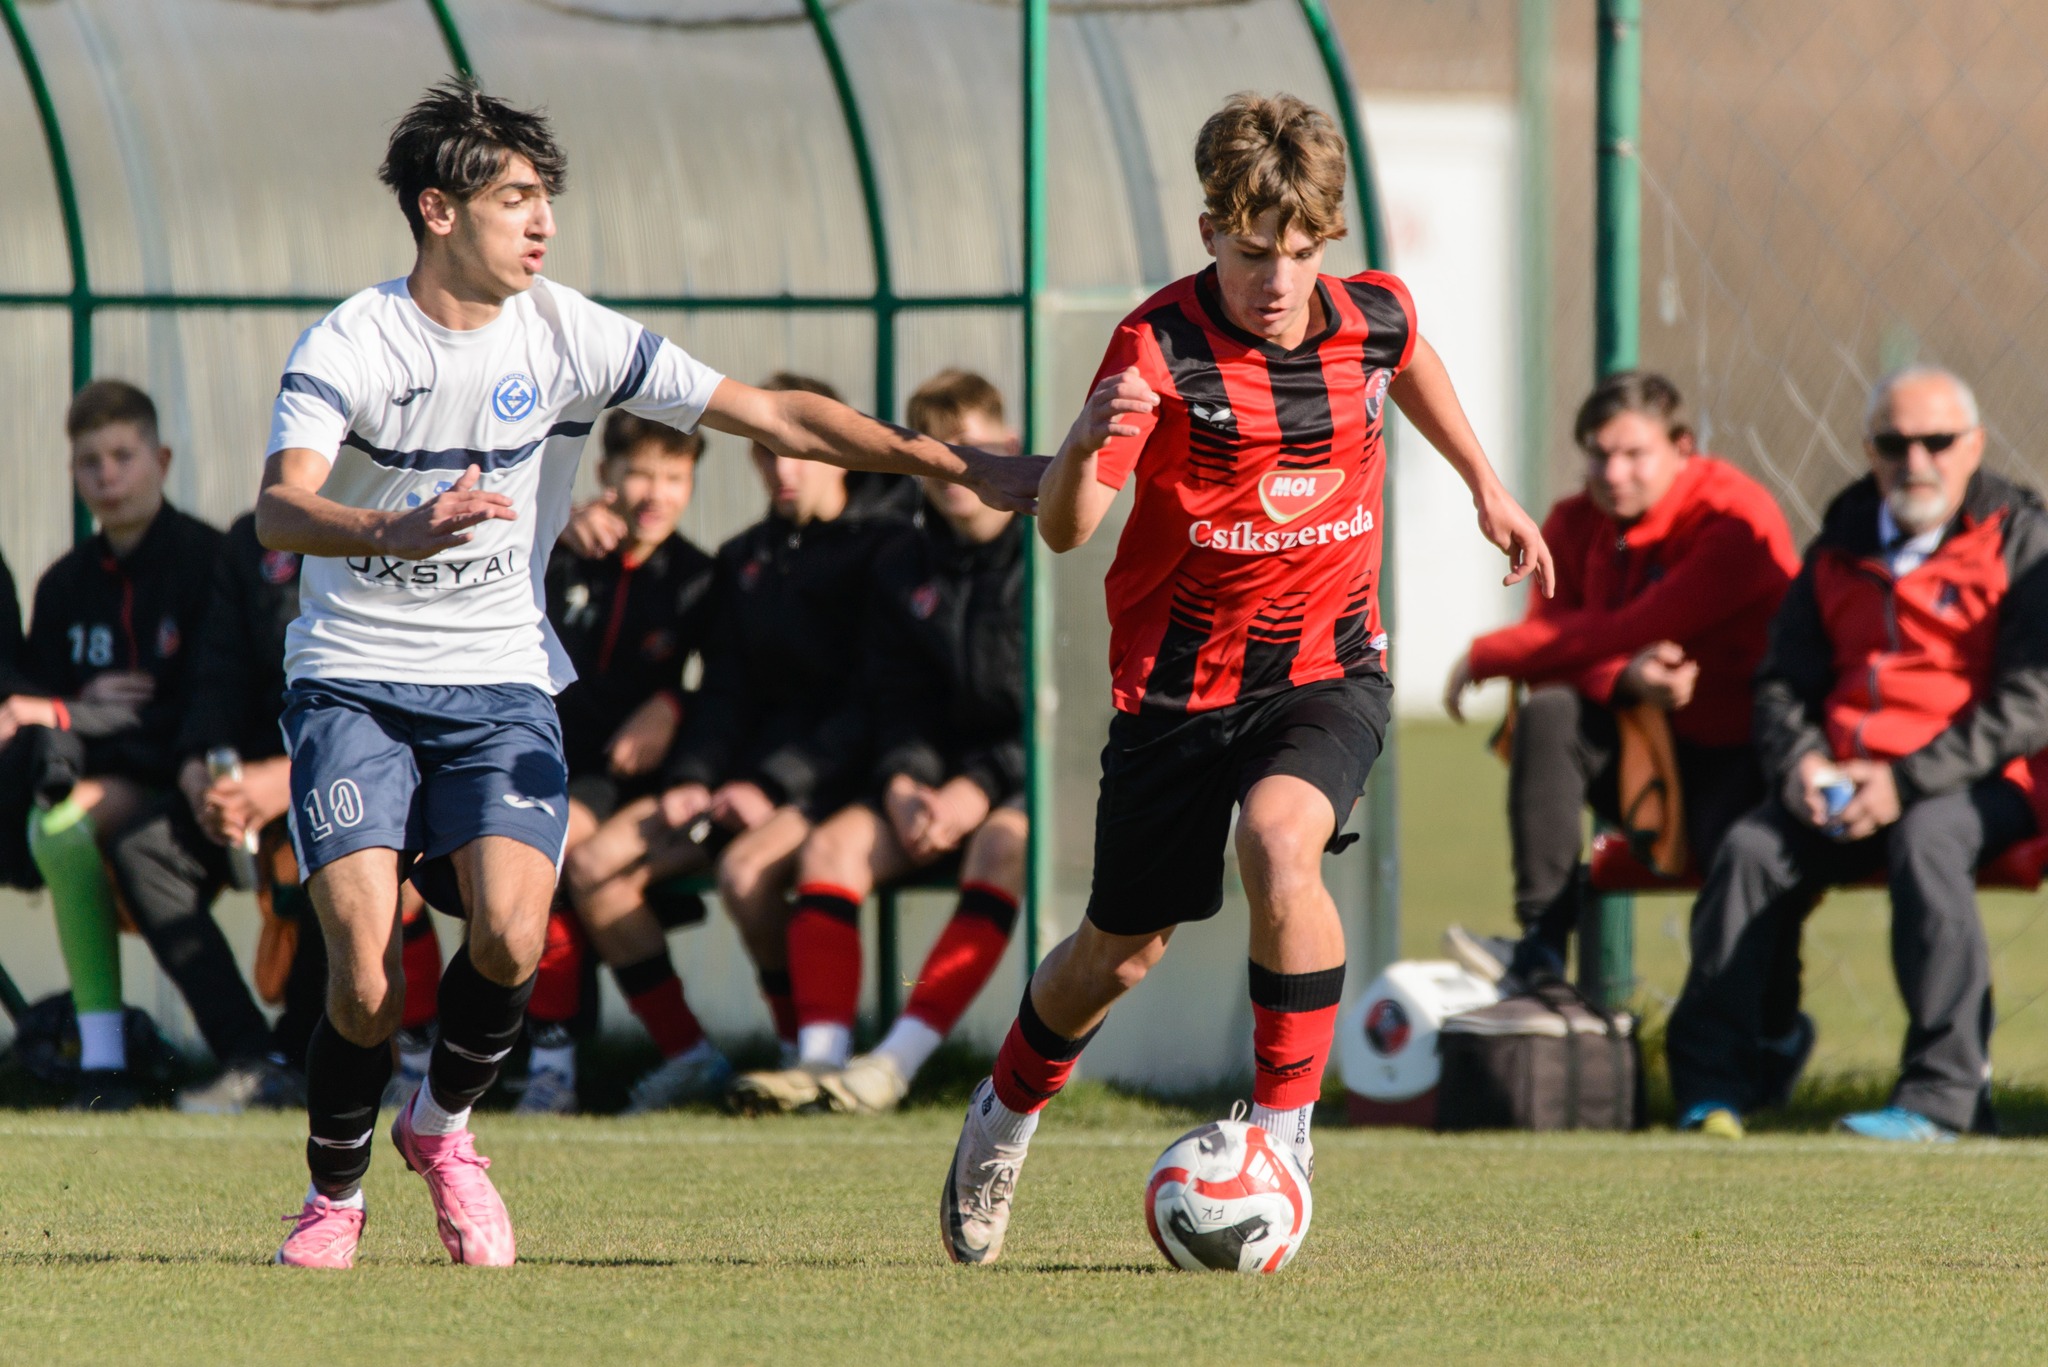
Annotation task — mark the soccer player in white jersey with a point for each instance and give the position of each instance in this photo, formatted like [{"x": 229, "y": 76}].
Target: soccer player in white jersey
[{"x": 425, "y": 438}]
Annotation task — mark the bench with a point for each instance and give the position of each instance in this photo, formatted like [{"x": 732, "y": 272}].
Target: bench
[
  {"x": 888, "y": 961},
  {"x": 1615, "y": 875}
]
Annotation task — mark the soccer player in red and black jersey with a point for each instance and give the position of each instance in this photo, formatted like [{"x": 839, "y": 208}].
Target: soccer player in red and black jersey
[{"x": 1247, "y": 405}]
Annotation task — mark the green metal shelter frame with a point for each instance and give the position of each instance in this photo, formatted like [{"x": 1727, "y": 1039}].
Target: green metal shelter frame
[{"x": 884, "y": 304}]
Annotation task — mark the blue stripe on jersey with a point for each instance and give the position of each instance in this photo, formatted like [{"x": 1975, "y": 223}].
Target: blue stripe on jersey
[
  {"x": 636, "y": 372},
  {"x": 462, "y": 457},
  {"x": 298, "y": 382}
]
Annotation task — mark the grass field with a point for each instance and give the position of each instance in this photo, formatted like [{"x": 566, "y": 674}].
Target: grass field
[{"x": 695, "y": 1238}]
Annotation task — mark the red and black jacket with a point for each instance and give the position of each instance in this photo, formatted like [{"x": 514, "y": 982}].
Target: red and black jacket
[
  {"x": 628, "y": 628},
  {"x": 1943, "y": 671},
  {"x": 1705, "y": 567}
]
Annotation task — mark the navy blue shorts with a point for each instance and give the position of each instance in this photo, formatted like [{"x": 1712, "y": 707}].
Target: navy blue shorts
[{"x": 422, "y": 769}]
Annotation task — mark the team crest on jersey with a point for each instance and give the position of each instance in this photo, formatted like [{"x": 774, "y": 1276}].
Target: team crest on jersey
[
  {"x": 750, "y": 576},
  {"x": 924, "y": 601},
  {"x": 167, "y": 638},
  {"x": 1288, "y": 494},
  {"x": 279, "y": 566},
  {"x": 514, "y": 396},
  {"x": 1376, "y": 393},
  {"x": 658, "y": 644}
]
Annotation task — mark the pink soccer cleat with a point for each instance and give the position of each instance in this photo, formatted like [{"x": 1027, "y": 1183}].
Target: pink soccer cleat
[
  {"x": 475, "y": 1226},
  {"x": 323, "y": 1235}
]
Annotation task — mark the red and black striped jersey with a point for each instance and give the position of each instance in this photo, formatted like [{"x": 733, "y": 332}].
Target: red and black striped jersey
[{"x": 1251, "y": 560}]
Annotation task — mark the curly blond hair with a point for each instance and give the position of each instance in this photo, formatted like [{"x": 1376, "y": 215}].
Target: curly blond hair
[{"x": 1264, "y": 152}]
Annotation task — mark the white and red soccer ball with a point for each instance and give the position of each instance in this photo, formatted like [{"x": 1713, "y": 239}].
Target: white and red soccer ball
[{"x": 1226, "y": 1198}]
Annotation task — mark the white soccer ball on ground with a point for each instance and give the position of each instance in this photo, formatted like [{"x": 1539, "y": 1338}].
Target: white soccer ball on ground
[{"x": 1227, "y": 1198}]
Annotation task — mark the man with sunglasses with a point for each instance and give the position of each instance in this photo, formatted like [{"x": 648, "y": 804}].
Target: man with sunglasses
[{"x": 1903, "y": 693}]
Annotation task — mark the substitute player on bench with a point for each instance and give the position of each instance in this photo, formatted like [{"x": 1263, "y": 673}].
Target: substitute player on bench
[
  {"x": 1245, "y": 646},
  {"x": 424, "y": 442}
]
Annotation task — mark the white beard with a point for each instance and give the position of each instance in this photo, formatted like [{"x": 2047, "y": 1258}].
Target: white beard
[{"x": 1918, "y": 509}]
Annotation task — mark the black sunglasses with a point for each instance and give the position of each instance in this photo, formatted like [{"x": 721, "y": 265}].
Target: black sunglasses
[{"x": 1895, "y": 445}]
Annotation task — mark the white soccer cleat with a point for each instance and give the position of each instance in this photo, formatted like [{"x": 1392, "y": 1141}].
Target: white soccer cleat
[
  {"x": 974, "y": 1212},
  {"x": 549, "y": 1091},
  {"x": 702, "y": 1072},
  {"x": 869, "y": 1084},
  {"x": 777, "y": 1092}
]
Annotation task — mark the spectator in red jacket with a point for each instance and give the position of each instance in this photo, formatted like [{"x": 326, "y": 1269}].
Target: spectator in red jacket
[
  {"x": 1669, "y": 565},
  {"x": 1903, "y": 694}
]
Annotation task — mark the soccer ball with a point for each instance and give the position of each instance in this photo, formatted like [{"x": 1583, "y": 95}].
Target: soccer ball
[{"x": 1227, "y": 1198}]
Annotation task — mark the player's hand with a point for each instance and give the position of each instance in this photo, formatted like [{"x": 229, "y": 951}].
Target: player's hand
[
  {"x": 1007, "y": 483},
  {"x": 741, "y": 806},
  {"x": 683, "y": 805},
  {"x": 1661, "y": 675},
  {"x": 595, "y": 528},
  {"x": 1802, "y": 796},
  {"x": 639, "y": 745},
  {"x": 1454, "y": 687},
  {"x": 954, "y": 810},
  {"x": 19, "y": 711},
  {"x": 906, "y": 803},
  {"x": 1502, "y": 521},
  {"x": 120, "y": 688},
  {"x": 444, "y": 520},
  {"x": 226, "y": 811},
  {"x": 1112, "y": 405},
  {"x": 1875, "y": 803}
]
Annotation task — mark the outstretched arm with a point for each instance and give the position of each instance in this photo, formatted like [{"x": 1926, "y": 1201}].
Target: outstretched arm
[
  {"x": 292, "y": 516},
  {"x": 804, "y": 426},
  {"x": 1426, "y": 397},
  {"x": 1072, "y": 501}
]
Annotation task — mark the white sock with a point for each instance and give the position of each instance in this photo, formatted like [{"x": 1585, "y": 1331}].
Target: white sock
[
  {"x": 825, "y": 1046},
  {"x": 101, "y": 1043},
  {"x": 429, "y": 1118},
  {"x": 1004, "y": 1125},
  {"x": 908, "y": 1044},
  {"x": 352, "y": 1201},
  {"x": 1289, "y": 1127},
  {"x": 557, "y": 1060}
]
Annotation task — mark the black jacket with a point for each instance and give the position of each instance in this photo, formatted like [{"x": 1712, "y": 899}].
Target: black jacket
[
  {"x": 944, "y": 670},
  {"x": 779, "y": 699},
  {"x": 12, "y": 646},
  {"x": 96, "y": 612},
  {"x": 238, "y": 657},
  {"x": 628, "y": 629}
]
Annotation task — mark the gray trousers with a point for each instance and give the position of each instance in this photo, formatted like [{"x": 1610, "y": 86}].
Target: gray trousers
[{"x": 1769, "y": 874}]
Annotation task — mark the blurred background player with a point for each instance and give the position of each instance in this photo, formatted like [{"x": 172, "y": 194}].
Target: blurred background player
[
  {"x": 424, "y": 442},
  {"x": 1669, "y": 566},
  {"x": 174, "y": 861},
  {"x": 1904, "y": 691},
  {"x": 943, "y": 678},
  {"x": 108, "y": 657},
  {"x": 763, "y": 750},
  {"x": 1246, "y": 654},
  {"x": 629, "y": 597}
]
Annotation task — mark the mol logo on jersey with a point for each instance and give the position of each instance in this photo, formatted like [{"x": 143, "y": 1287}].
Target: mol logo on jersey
[
  {"x": 1288, "y": 494},
  {"x": 514, "y": 396}
]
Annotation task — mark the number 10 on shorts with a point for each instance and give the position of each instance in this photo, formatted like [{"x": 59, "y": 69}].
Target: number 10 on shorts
[{"x": 343, "y": 807}]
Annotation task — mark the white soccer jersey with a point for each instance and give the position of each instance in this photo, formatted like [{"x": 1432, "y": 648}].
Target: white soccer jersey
[{"x": 402, "y": 406}]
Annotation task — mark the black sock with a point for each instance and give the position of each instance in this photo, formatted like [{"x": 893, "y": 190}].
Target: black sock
[
  {"x": 344, "y": 1083},
  {"x": 480, "y": 1022}
]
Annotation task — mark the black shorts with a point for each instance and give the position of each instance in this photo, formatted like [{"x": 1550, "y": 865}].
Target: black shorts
[{"x": 1170, "y": 781}]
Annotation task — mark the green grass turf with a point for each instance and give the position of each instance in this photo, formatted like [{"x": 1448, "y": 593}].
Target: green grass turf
[
  {"x": 1455, "y": 869},
  {"x": 695, "y": 1238}
]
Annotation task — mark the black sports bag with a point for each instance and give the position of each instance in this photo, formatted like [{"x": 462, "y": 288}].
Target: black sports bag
[{"x": 1546, "y": 1059}]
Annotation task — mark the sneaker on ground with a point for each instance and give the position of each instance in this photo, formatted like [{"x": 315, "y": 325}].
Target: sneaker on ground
[
  {"x": 1483, "y": 956},
  {"x": 869, "y": 1084},
  {"x": 259, "y": 1085},
  {"x": 323, "y": 1235},
  {"x": 684, "y": 1078},
  {"x": 1713, "y": 1119},
  {"x": 475, "y": 1227},
  {"x": 549, "y": 1091},
  {"x": 1896, "y": 1125},
  {"x": 974, "y": 1210},
  {"x": 777, "y": 1092},
  {"x": 105, "y": 1090}
]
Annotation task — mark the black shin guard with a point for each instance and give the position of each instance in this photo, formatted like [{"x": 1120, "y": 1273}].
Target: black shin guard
[
  {"x": 344, "y": 1083},
  {"x": 480, "y": 1022}
]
